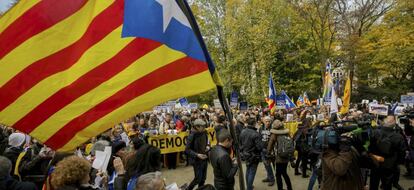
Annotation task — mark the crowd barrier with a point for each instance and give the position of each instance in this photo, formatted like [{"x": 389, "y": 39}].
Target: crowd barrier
[{"x": 176, "y": 143}]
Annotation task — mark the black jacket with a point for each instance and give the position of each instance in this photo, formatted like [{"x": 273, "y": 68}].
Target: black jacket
[
  {"x": 12, "y": 153},
  {"x": 224, "y": 170},
  {"x": 384, "y": 140},
  {"x": 196, "y": 144},
  {"x": 251, "y": 145},
  {"x": 12, "y": 184}
]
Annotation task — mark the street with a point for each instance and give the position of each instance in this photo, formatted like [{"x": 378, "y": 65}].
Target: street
[{"x": 185, "y": 174}]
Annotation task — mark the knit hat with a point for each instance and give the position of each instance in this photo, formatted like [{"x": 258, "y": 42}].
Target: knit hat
[{"x": 17, "y": 139}]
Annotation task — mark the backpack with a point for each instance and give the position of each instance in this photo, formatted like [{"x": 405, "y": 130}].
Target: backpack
[
  {"x": 285, "y": 147},
  {"x": 384, "y": 144}
]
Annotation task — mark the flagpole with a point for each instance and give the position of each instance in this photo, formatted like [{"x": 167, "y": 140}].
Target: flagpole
[{"x": 186, "y": 9}]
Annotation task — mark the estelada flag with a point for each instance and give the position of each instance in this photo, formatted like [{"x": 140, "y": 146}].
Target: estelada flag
[
  {"x": 271, "y": 99},
  {"x": 300, "y": 101},
  {"x": 71, "y": 70}
]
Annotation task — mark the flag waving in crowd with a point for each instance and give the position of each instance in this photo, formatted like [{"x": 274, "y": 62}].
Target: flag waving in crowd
[
  {"x": 347, "y": 97},
  {"x": 271, "y": 99},
  {"x": 306, "y": 99},
  {"x": 73, "y": 69},
  {"x": 289, "y": 102},
  {"x": 300, "y": 101},
  {"x": 328, "y": 83}
]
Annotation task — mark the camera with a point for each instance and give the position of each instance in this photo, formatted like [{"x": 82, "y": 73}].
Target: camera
[{"x": 404, "y": 120}]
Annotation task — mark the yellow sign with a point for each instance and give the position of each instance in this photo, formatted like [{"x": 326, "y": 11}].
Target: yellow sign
[
  {"x": 177, "y": 143},
  {"x": 292, "y": 126}
]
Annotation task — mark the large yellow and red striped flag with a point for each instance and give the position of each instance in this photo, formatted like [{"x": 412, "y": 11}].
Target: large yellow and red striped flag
[{"x": 72, "y": 69}]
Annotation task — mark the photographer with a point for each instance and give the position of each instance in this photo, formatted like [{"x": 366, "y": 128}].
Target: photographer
[
  {"x": 340, "y": 166},
  {"x": 407, "y": 120},
  {"x": 386, "y": 150}
]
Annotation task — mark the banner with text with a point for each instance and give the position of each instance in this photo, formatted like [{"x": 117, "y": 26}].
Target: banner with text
[{"x": 177, "y": 143}]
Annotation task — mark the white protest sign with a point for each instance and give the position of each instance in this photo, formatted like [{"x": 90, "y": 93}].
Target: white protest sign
[
  {"x": 289, "y": 117},
  {"x": 378, "y": 109},
  {"x": 399, "y": 110},
  {"x": 406, "y": 99},
  {"x": 99, "y": 160},
  {"x": 365, "y": 101},
  {"x": 217, "y": 103},
  {"x": 102, "y": 159},
  {"x": 125, "y": 138}
]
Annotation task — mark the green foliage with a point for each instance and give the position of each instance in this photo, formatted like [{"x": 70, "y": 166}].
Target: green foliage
[{"x": 248, "y": 39}]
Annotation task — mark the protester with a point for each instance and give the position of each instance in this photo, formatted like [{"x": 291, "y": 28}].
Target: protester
[
  {"x": 282, "y": 147},
  {"x": 224, "y": 167},
  {"x": 302, "y": 147},
  {"x": 340, "y": 167},
  {"x": 9, "y": 183},
  {"x": 16, "y": 142},
  {"x": 197, "y": 148},
  {"x": 72, "y": 173},
  {"x": 220, "y": 124},
  {"x": 150, "y": 181},
  {"x": 250, "y": 150},
  {"x": 145, "y": 158},
  {"x": 129, "y": 162},
  {"x": 264, "y": 131},
  {"x": 387, "y": 144}
]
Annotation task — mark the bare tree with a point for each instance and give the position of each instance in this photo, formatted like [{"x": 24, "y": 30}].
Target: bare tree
[{"x": 356, "y": 18}]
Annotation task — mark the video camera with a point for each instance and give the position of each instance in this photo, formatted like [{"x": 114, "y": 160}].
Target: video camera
[
  {"x": 405, "y": 121},
  {"x": 348, "y": 132}
]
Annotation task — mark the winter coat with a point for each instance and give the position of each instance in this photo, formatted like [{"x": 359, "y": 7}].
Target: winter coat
[
  {"x": 224, "y": 170},
  {"x": 341, "y": 171},
  {"x": 12, "y": 153},
  {"x": 251, "y": 145},
  {"x": 10, "y": 183},
  {"x": 275, "y": 133},
  {"x": 196, "y": 144},
  {"x": 396, "y": 146}
]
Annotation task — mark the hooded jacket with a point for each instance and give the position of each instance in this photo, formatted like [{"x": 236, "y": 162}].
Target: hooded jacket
[{"x": 275, "y": 133}]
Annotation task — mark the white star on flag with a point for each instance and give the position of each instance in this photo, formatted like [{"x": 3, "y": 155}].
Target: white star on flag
[{"x": 170, "y": 10}]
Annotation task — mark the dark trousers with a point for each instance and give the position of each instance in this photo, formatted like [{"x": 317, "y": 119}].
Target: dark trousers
[
  {"x": 281, "y": 170},
  {"x": 200, "y": 174},
  {"x": 268, "y": 166},
  {"x": 171, "y": 160},
  {"x": 251, "y": 169},
  {"x": 302, "y": 158},
  {"x": 383, "y": 175}
]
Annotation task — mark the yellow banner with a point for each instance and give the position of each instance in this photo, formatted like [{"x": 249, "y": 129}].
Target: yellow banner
[{"x": 177, "y": 143}]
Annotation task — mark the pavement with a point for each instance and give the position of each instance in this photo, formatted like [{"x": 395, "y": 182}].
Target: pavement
[{"x": 184, "y": 174}]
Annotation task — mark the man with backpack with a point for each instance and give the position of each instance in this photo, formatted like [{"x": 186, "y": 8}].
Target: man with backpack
[
  {"x": 264, "y": 131},
  {"x": 282, "y": 147},
  {"x": 387, "y": 144},
  {"x": 250, "y": 150}
]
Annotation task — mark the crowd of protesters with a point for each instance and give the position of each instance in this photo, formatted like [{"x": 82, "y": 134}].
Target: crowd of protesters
[{"x": 332, "y": 163}]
